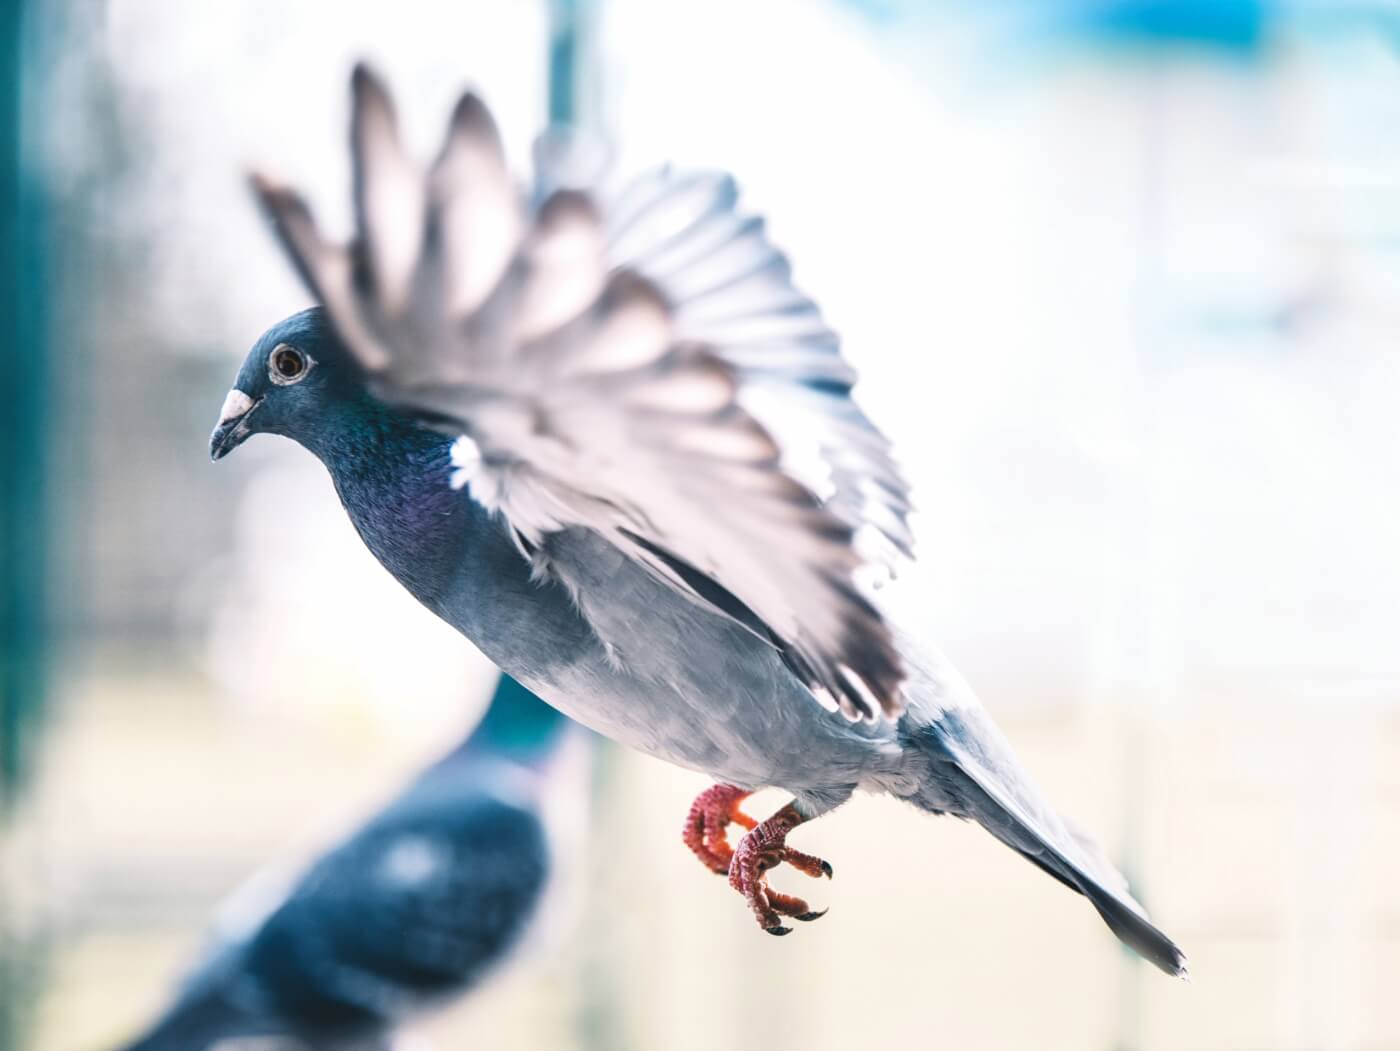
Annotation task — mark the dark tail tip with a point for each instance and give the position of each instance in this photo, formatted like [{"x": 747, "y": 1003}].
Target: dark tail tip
[{"x": 1137, "y": 933}]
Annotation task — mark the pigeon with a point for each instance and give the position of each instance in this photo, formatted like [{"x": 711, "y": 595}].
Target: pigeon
[
  {"x": 433, "y": 894},
  {"x": 591, "y": 423}
]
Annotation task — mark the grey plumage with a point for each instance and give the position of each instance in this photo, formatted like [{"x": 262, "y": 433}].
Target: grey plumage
[
  {"x": 652, "y": 635},
  {"x": 432, "y": 894}
]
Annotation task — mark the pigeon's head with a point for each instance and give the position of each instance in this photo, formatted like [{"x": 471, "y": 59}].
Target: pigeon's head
[{"x": 294, "y": 375}]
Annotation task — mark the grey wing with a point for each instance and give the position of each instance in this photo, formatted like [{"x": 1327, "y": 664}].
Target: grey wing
[
  {"x": 733, "y": 292},
  {"x": 637, "y": 364}
]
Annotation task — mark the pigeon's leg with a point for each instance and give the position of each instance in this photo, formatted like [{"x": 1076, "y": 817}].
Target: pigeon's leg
[
  {"x": 762, "y": 849},
  {"x": 707, "y": 825}
]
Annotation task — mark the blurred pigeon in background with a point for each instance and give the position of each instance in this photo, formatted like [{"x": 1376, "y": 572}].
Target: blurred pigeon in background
[
  {"x": 415, "y": 908},
  {"x": 675, "y": 515}
]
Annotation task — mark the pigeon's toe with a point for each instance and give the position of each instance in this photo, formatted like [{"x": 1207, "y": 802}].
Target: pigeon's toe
[
  {"x": 707, "y": 824},
  {"x": 762, "y": 849}
]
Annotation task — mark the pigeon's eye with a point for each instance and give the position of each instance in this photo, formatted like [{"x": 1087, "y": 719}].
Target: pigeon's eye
[{"x": 287, "y": 365}]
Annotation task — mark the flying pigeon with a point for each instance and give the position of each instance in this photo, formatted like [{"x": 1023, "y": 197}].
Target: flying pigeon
[
  {"x": 431, "y": 895},
  {"x": 593, "y": 425}
]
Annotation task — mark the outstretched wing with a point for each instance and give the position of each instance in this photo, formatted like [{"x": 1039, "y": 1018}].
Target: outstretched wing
[{"x": 637, "y": 363}]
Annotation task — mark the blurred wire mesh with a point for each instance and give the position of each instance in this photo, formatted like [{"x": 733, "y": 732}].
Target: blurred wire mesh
[{"x": 1122, "y": 281}]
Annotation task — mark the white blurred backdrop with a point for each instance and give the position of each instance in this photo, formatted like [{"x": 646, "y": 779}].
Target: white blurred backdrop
[{"x": 1129, "y": 314}]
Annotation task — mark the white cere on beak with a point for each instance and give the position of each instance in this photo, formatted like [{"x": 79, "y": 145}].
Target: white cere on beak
[
  {"x": 236, "y": 404},
  {"x": 466, "y": 459}
]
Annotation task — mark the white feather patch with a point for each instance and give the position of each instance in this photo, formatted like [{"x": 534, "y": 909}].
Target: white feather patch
[{"x": 466, "y": 461}]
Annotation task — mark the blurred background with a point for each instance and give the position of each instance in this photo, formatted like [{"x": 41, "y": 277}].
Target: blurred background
[{"x": 1122, "y": 278}]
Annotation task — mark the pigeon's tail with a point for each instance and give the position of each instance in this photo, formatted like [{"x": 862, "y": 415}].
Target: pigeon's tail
[
  {"x": 196, "y": 1024},
  {"x": 972, "y": 773}
]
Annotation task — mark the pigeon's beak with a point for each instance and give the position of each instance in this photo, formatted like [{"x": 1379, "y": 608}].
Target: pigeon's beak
[{"x": 232, "y": 429}]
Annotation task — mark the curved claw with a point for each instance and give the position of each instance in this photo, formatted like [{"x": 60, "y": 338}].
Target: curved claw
[
  {"x": 827, "y": 871},
  {"x": 778, "y": 931},
  {"x": 808, "y": 917}
]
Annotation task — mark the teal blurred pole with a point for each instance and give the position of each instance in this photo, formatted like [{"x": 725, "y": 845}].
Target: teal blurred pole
[
  {"x": 24, "y": 387},
  {"x": 574, "y": 74},
  {"x": 24, "y": 399}
]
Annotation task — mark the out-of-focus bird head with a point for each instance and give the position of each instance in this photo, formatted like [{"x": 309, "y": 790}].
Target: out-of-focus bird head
[{"x": 296, "y": 370}]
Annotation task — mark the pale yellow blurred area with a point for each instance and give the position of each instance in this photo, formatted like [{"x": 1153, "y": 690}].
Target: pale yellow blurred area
[{"x": 1259, "y": 831}]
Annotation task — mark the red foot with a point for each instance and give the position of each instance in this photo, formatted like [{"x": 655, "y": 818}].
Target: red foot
[
  {"x": 707, "y": 825},
  {"x": 762, "y": 849}
]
